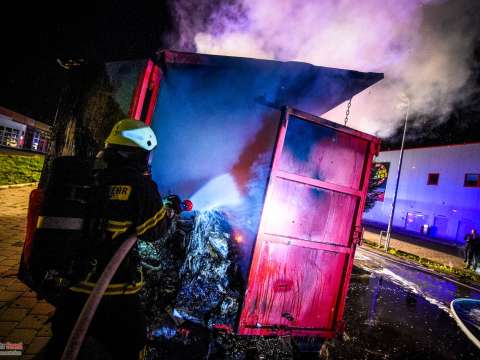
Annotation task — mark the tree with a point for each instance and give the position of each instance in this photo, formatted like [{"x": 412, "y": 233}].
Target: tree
[
  {"x": 376, "y": 184},
  {"x": 86, "y": 113}
]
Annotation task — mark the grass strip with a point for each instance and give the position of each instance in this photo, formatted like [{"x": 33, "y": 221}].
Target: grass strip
[{"x": 17, "y": 169}]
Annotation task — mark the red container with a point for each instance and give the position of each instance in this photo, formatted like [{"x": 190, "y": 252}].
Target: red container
[{"x": 300, "y": 260}]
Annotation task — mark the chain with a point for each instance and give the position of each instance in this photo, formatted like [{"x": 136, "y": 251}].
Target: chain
[{"x": 348, "y": 111}]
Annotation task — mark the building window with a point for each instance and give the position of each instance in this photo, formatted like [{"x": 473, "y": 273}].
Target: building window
[
  {"x": 9, "y": 136},
  {"x": 472, "y": 180},
  {"x": 433, "y": 179}
]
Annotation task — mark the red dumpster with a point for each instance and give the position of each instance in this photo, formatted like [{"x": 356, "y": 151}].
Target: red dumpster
[{"x": 224, "y": 121}]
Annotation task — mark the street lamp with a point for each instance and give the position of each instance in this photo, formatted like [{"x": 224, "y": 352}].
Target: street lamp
[{"x": 392, "y": 213}]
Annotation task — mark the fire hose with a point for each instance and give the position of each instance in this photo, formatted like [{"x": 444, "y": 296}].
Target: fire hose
[
  {"x": 83, "y": 322},
  {"x": 80, "y": 329}
]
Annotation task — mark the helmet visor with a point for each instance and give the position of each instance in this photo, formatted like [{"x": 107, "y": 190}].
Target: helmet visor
[{"x": 143, "y": 137}]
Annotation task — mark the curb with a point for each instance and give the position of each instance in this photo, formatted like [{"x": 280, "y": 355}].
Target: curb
[
  {"x": 17, "y": 185},
  {"x": 372, "y": 228}
]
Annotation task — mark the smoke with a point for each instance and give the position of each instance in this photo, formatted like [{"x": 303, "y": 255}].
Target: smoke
[
  {"x": 217, "y": 193},
  {"x": 423, "y": 47}
]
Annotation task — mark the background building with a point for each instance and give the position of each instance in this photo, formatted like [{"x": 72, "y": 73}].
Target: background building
[
  {"x": 438, "y": 194},
  {"x": 21, "y": 132}
]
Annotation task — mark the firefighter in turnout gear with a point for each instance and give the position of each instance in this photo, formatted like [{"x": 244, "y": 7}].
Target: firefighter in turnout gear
[{"x": 131, "y": 204}]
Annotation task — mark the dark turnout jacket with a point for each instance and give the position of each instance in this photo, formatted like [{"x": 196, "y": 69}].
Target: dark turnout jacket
[{"x": 132, "y": 205}]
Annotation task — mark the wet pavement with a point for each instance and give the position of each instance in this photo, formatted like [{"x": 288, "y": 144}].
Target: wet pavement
[{"x": 395, "y": 311}]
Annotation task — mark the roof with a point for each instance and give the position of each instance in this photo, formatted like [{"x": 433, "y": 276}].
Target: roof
[
  {"x": 313, "y": 89},
  {"x": 22, "y": 119}
]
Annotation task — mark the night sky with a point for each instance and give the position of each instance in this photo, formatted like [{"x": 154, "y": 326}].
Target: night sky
[
  {"x": 32, "y": 40},
  {"x": 34, "y": 36}
]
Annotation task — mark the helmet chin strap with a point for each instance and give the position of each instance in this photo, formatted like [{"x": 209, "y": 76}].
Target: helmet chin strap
[
  {"x": 124, "y": 154},
  {"x": 149, "y": 162},
  {"x": 120, "y": 157}
]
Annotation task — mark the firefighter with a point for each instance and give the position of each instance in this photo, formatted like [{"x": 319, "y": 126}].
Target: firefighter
[
  {"x": 132, "y": 204},
  {"x": 472, "y": 249}
]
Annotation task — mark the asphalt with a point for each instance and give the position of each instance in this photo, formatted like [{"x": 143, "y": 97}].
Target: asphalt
[{"x": 394, "y": 311}]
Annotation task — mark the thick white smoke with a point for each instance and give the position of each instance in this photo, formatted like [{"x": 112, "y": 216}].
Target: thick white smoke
[{"x": 423, "y": 47}]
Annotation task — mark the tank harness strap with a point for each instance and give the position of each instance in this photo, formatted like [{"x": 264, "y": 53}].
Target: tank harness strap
[{"x": 60, "y": 223}]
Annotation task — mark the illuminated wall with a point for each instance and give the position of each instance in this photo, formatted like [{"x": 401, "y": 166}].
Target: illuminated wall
[{"x": 449, "y": 208}]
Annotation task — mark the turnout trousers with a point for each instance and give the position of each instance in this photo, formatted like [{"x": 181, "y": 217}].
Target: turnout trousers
[{"x": 117, "y": 331}]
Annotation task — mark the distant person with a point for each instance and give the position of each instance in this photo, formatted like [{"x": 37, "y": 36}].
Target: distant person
[
  {"x": 472, "y": 249},
  {"x": 476, "y": 251}
]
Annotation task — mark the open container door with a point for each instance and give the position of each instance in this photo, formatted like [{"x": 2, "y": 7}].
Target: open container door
[
  {"x": 145, "y": 95},
  {"x": 309, "y": 228}
]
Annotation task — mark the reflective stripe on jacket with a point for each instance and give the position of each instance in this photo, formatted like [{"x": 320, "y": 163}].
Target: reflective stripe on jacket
[{"x": 87, "y": 287}]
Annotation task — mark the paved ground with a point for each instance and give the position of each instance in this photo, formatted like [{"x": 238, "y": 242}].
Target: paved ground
[{"x": 22, "y": 317}]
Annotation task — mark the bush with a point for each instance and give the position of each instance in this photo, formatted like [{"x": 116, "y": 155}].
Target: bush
[{"x": 17, "y": 169}]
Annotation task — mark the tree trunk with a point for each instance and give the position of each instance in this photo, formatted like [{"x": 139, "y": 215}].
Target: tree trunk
[{"x": 87, "y": 111}]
